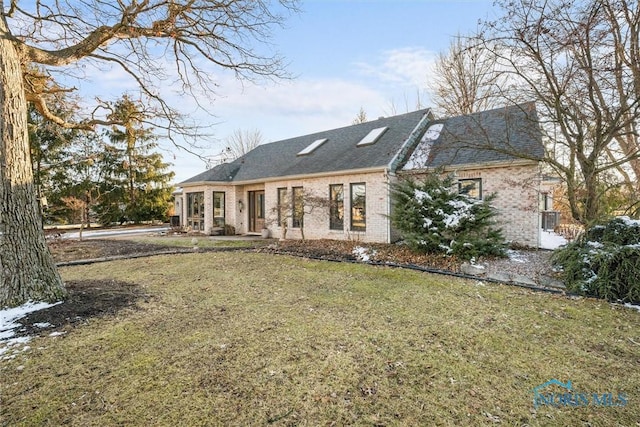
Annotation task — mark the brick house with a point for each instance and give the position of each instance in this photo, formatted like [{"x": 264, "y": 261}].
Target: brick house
[{"x": 350, "y": 169}]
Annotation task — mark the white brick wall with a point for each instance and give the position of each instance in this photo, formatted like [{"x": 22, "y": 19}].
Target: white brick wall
[
  {"x": 517, "y": 201},
  {"x": 316, "y": 224},
  {"x": 517, "y": 191}
]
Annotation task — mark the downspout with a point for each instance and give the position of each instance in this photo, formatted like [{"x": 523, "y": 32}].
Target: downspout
[
  {"x": 387, "y": 174},
  {"x": 408, "y": 146},
  {"x": 539, "y": 215}
]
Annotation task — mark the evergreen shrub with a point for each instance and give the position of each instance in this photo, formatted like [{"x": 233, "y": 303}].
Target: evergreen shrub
[
  {"x": 604, "y": 262},
  {"x": 434, "y": 218}
]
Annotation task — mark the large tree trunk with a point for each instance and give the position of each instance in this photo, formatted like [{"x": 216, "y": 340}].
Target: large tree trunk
[{"x": 27, "y": 269}]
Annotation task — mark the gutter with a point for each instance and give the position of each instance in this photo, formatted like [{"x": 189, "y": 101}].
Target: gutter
[
  {"x": 290, "y": 177},
  {"x": 390, "y": 171}
]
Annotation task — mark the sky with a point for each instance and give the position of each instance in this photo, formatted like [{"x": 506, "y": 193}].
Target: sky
[{"x": 344, "y": 56}]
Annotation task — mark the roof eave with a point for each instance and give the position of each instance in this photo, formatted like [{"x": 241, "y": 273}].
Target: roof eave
[{"x": 291, "y": 177}]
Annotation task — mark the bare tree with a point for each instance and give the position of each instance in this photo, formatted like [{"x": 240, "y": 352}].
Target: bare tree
[
  {"x": 293, "y": 207},
  {"x": 237, "y": 144},
  {"x": 141, "y": 37},
  {"x": 360, "y": 118},
  {"x": 466, "y": 79},
  {"x": 409, "y": 104},
  {"x": 240, "y": 142},
  {"x": 580, "y": 62}
]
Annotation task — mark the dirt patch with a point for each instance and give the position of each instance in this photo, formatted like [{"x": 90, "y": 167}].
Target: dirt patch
[
  {"x": 87, "y": 300},
  {"x": 91, "y": 298}
]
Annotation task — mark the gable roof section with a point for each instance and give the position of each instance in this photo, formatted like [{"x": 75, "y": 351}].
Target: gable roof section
[
  {"x": 494, "y": 136},
  {"x": 339, "y": 153}
]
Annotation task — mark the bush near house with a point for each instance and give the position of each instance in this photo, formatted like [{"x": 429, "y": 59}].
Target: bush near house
[
  {"x": 604, "y": 262},
  {"x": 434, "y": 219}
]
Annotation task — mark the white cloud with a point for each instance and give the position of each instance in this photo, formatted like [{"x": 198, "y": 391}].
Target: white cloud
[
  {"x": 286, "y": 109},
  {"x": 401, "y": 67}
]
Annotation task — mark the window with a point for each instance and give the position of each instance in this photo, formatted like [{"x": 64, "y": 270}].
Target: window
[
  {"x": 218, "y": 209},
  {"x": 282, "y": 206},
  {"x": 546, "y": 202},
  {"x": 471, "y": 188},
  {"x": 336, "y": 207},
  {"x": 358, "y": 207},
  {"x": 260, "y": 204},
  {"x": 372, "y": 137},
  {"x": 312, "y": 147},
  {"x": 297, "y": 206},
  {"x": 195, "y": 211}
]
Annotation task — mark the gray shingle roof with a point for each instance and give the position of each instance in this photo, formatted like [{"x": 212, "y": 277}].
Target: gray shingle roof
[
  {"x": 339, "y": 153},
  {"x": 490, "y": 136},
  {"x": 499, "y": 135}
]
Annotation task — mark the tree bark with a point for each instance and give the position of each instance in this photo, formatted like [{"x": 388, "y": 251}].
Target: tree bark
[{"x": 27, "y": 269}]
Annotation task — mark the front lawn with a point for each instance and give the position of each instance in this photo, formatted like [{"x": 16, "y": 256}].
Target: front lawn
[{"x": 235, "y": 338}]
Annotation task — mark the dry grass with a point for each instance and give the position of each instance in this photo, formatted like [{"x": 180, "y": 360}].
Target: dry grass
[{"x": 257, "y": 339}]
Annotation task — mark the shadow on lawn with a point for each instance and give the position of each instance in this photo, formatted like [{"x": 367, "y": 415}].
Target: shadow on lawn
[{"x": 87, "y": 299}]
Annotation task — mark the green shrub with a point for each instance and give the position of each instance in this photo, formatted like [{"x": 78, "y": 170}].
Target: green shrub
[
  {"x": 434, "y": 219},
  {"x": 604, "y": 262}
]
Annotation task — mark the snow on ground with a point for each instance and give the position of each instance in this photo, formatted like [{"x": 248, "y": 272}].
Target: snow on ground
[
  {"x": 632, "y": 306},
  {"x": 551, "y": 240},
  {"x": 9, "y": 323},
  {"x": 517, "y": 256},
  {"x": 363, "y": 254}
]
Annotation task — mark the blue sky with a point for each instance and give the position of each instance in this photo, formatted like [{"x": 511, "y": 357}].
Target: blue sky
[{"x": 344, "y": 55}]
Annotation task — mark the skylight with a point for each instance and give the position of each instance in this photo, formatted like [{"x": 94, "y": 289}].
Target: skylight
[
  {"x": 372, "y": 136},
  {"x": 311, "y": 147}
]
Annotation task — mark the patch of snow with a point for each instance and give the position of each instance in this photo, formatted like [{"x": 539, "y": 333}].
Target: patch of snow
[
  {"x": 420, "y": 195},
  {"x": 8, "y": 322},
  {"x": 9, "y": 316},
  {"x": 420, "y": 156},
  {"x": 517, "y": 256},
  {"x": 551, "y": 240},
  {"x": 635, "y": 307},
  {"x": 363, "y": 254},
  {"x": 56, "y": 334},
  {"x": 5, "y": 345},
  {"x": 42, "y": 325},
  {"x": 630, "y": 222}
]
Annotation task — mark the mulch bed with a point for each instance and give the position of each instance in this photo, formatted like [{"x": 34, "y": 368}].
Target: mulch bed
[{"x": 378, "y": 252}]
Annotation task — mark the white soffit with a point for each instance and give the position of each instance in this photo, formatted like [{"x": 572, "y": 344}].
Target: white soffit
[
  {"x": 372, "y": 136},
  {"x": 311, "y": 147}
]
